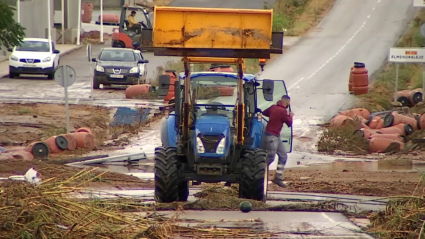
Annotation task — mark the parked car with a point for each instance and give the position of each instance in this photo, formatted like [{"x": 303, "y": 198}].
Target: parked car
[
  {"x": 35, "y": 56},
  {"x": 117, "y": 66},
  {"x": 142, "y": 67}
]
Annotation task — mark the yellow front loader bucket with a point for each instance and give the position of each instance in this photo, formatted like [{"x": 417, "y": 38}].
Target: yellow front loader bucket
[{"x": 235, "y": 33}]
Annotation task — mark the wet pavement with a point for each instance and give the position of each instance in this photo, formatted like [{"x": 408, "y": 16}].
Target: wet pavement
[{"x": 288, "y": 225}]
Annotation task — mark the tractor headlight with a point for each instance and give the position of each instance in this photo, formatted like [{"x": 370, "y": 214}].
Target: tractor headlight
[
  {"x": 199, "y": 146},
  {"x": 100, "y": 68},
  {"x": 134, "y": 70},
  {"x": 221, "y": 146}
]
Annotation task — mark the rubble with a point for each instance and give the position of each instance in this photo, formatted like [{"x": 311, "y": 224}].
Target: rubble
[{"x": 360, "y": 131}]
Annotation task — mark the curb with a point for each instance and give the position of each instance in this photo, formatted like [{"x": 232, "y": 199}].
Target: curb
[{"x": 60, "y": 54}]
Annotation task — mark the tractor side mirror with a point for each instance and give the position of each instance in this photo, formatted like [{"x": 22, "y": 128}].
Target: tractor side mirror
[
  {"x": 268, "y": 88},
  {"x": 163, "y": 85},
  {"x": 93, "y": 59}
]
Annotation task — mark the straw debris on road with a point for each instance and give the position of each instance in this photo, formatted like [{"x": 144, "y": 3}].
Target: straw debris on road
[
  {"x": 404, "y": 217},
  {"x": 49, "y": 211}
]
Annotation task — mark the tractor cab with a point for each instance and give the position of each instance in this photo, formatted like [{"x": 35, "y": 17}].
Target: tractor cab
[{"x": 129, "y": 37}]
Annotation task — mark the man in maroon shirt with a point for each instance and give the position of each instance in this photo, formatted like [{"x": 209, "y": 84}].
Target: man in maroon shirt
[{"x": 278, "y": 115}]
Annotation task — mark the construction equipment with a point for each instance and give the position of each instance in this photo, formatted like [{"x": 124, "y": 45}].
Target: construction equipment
[
  {"x": 215, "y": 141},
  {"x": 125, "y": 37}
]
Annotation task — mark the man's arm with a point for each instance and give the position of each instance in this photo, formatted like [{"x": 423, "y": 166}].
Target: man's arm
[
  {"x": 267, "y": 112},
  {"x": 287, "y": 119}
]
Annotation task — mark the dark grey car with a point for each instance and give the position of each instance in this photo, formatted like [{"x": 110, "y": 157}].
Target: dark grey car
[{"x": 116, "y": 66}]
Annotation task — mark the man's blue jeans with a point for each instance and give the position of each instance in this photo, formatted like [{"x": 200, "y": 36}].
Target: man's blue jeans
[{"x": 273, "y": 145}]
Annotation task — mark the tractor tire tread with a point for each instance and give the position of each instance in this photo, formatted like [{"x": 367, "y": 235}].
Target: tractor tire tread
[
  {"x": 168, "y": 185},
  {"x": 254, "y": 168}
]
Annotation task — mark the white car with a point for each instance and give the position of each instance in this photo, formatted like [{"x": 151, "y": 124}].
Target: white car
[
  {"x": 35, "y": 56},
  {"x": 142, "y": 67}
]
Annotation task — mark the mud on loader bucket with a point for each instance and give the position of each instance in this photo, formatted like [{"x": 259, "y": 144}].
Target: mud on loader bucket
[{"x": 202, "y": 35}]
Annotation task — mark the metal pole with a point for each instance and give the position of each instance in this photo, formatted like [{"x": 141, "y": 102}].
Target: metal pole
[
  {"x": 65, "y": 82},
  {"x": 101, "y": 21},
  {"x": 91, "y": 84},
  {"x": 79, "y": 23},
  {"x": 396, "y": 81},
  {"x": 63, "y": 21},
  {"x": 18, "y": 10},
  {"x": 49, "y": 21},
  {"x": 423, "y": 82}
]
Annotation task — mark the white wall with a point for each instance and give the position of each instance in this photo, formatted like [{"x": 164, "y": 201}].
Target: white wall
[{"x": 34, "y": 17}]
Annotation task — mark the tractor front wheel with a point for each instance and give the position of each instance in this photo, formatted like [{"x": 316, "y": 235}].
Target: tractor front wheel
[
  {"x": 169, "y": 187},
  {"x": 254, "y": 178}
]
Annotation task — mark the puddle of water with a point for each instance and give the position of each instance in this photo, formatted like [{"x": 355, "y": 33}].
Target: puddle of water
[{"x": 367, "y": 166}]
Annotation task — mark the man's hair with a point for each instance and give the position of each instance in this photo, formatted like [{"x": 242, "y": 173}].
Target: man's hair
[
  {"x": 286, "y": 97},
  {"x": 133, "y": 12}
]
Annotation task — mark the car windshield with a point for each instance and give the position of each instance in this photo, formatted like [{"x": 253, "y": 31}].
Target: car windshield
[
  {"x": 37, "y": 46},
  {"x": 116, "y": 55}
]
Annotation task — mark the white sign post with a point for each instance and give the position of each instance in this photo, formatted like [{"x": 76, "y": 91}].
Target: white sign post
[
  {"x": 91, "y": 71},
  {"x": 421, "y": 3},
  {"x": 101, "y": 21},
  {"x": 65, "y": 76},
  {"x": 406, "y": 55}
]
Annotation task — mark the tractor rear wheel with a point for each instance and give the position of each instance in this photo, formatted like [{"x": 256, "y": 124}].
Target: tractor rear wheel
[
  {"x": 169, "y": 187},
  {"x": 254, "y": 178}
]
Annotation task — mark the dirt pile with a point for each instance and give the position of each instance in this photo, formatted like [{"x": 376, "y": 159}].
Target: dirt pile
[{"x": 214, "y": 197}]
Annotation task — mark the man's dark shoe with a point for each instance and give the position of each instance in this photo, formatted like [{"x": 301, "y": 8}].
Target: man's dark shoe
[{"x": 279, "y": 183}]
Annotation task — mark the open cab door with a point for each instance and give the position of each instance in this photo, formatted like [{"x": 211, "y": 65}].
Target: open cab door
[{"x": 279, "y": 90}]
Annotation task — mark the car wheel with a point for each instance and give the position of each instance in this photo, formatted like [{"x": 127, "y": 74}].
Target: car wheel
[
  {"x": 51, "y": 76},
  {"x": 119, "y": 44},
  {"x": 12, "y": 75},
  {"x": 96, "y": 85}
]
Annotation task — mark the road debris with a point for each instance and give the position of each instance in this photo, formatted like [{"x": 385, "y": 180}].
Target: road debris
[
  {"x": 361, "y": 132},
  {"x": 129, "y": 158},
  {"x": 47, "y": 211},
  {"x": 402, "y": 218}
]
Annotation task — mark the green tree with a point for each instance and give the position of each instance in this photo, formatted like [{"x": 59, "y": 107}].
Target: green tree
[{"x": 11, "y": 32}]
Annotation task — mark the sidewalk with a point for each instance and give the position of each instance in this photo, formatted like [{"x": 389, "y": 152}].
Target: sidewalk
[{"x": 64, "y": 49}]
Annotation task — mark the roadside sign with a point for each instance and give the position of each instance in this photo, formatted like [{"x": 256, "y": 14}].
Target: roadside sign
[
  {"x": 406, "y": 55},
  {"x": 65, "y": 76},
  {"x": 419, "y": 3}
]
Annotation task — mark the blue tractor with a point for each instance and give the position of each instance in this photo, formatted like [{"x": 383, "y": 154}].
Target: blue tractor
[{"x": 215, "y": 140}]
